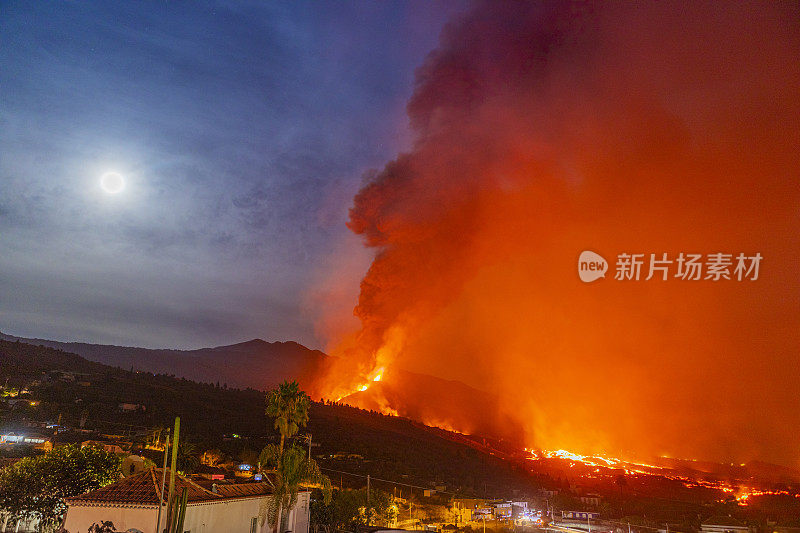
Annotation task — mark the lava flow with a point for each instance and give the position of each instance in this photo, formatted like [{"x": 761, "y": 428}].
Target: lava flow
[
  {"x": 377, "y": 375},
  {"x": 600, "y": 465}
]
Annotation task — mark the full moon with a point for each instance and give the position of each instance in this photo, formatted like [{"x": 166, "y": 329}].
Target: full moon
[{"x": 112, "y": 182}]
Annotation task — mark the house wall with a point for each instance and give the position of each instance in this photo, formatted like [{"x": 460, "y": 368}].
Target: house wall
[
  {"x": 302, "y": 513},
  {"x": 299, "y": 518},
  {"x": 81, "y": 517},
  {"x": 230, "y": 516}
]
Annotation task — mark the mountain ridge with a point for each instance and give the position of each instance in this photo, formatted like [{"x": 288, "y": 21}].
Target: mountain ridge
[
  {"x": 255, "y": 363},
  {"x": 261, "y": 365}
]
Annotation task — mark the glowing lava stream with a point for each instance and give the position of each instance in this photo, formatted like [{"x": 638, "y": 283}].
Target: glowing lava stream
[
  {"x": 742, "y": 494},
  {"x": 376, "y": 375}
]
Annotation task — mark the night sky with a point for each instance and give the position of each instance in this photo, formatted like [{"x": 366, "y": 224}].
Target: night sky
[{"x": 242, "y": 134}]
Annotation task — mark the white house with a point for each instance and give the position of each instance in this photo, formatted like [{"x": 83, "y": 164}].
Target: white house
[{"x": 132, "y": 503}]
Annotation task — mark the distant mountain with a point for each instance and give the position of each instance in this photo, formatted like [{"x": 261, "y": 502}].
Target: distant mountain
[
  {"x": 345, "y": 438},
  {"x": 257, "y": 363},
  {"x": 261, "y": 365}
]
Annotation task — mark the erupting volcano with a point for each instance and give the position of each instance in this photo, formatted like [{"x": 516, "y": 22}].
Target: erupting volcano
[{"x": 545, "y": 129}]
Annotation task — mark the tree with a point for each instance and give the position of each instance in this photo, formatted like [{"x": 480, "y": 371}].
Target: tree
[
  {"x": 188, "y": 461},
  {"x": 288, "y": 405},
  {"x": 35, "y": 487},
  {"x": 211, "y": 457},
  {"x": 323, "y": 516},
  {"x": 347, "y": 510},
  {"x": 292, "y": 468},
  {"x": 249, "y": 456}
]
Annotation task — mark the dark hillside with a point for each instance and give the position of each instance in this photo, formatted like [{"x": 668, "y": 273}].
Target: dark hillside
[{"x": 349, "y": 439}]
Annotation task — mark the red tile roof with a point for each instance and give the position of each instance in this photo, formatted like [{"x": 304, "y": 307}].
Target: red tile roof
[
  {"x": 243, "y": 490},
  {"x": 144, "y": 489}
]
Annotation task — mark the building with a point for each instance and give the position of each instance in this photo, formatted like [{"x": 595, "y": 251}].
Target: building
[
  {"x": 723, "y": 524},
  {"x": 510, "y": 509},
  {"x": 482, "y": 514},
  {"x": 213, "y": 473},
  {"x": 39, "y": 442},
  {"x": 134, "y": 464},
  {"x": 132, "y": 503},
  {"x": 110, "y": 447},
  {"x": 462, "y": 509},
  {"x": 579, "y": 515}
]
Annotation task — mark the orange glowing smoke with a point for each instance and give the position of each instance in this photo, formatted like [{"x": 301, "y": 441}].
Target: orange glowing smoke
[{"x": 545, "y": 129}]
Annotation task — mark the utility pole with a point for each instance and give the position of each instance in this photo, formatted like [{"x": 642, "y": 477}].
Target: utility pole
[
  {"x": 368, "y": 513},
  {"x": 163, "y": 480},
  {"x": 307, "y": 438},
  {"x": 174, "y": 465}
]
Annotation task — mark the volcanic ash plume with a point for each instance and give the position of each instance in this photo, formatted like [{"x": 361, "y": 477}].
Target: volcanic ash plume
[{"x": 545, "y": 129}]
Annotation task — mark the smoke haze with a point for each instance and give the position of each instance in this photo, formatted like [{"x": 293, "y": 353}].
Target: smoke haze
[{"x": 545, "y": 129}]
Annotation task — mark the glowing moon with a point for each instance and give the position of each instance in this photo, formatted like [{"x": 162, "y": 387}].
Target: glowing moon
[{"x": 112, "y": 182}]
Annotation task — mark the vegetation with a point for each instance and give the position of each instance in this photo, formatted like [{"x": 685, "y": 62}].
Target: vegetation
[
  {"x": 292, "y": 468},
  {"x": 349, "y": 510},
  {"x": 388, "y": 447},
  {"x": 288, "y": 405},
  {"x": 188, "y": 459},
  {"x": 35, "y": 487}
]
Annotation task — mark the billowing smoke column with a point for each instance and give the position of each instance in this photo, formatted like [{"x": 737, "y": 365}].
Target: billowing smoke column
[{"x": 545, "y": 129}]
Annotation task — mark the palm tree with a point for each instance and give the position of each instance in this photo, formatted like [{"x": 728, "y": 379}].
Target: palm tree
[
  {"x": 188, "y": 461},
  {"x": 292, "y": 468},
  {"x": 288, "y": 405}
]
